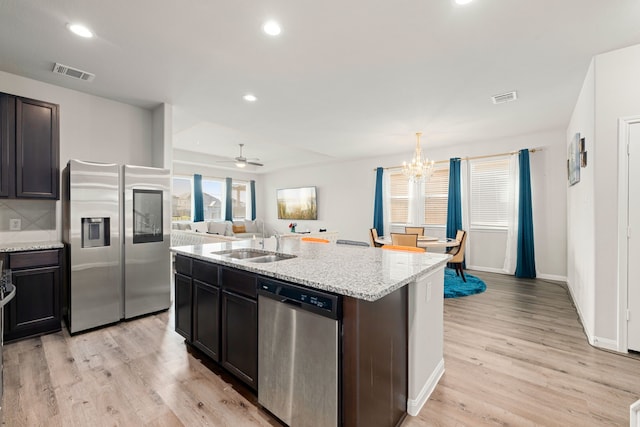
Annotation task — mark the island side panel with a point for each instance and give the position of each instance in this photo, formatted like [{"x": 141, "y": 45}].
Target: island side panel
[
  {"x": 375, "y": 361},
  {"x": 426, "y": 338}
]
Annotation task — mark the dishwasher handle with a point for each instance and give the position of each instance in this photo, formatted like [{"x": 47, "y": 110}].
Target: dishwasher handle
[{"x": 292, "y": 302}]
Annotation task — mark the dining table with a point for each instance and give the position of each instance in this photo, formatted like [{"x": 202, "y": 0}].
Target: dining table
[{"x": 427, "y": 242}]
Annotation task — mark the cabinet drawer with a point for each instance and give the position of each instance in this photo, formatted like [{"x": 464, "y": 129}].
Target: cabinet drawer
[
  {"x": 242, "y": 283},
  {"x": 30, "y": 259},
  {"x": 183, "y": 265},
  {"x": 205, "y": 272}
]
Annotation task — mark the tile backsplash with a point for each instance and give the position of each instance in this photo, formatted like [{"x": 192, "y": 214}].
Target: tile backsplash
[{"x": 33, "y": 215}]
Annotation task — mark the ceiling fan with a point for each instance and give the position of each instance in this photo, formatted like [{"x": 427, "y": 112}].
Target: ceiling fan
[{"x": 242, "y": 161}]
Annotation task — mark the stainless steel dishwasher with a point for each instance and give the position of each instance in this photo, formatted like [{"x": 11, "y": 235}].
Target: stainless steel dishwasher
[{"x": 298, "y": 345}]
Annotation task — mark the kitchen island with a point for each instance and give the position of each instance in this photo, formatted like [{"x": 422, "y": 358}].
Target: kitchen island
[{"x": 389, "y": 318}]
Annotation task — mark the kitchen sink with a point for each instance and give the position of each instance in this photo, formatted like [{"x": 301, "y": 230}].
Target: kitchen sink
[
  {"x": 242, "y": 253},
  {"x": 272, "y": 258},
  {"x": 253, "y": 255}
]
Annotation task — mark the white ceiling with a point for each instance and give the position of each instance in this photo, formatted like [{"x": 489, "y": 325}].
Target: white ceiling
[{"x": 344, "y": 80}]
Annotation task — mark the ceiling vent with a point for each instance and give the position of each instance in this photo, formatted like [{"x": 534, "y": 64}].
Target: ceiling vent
[
  {"x": 73, "y": 72},
  {"x": 504, "y": 97}
]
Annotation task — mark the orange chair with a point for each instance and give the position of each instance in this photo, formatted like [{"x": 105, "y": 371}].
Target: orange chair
[
  {"x": 373, "y": 236},
  {"x": 401, "y": 239},
  {"x": 403, "y": 248},
  {"x": 314, "y": 240},
  {"x": 458, "y": 254},
  {"x": 414, "y": 230}
]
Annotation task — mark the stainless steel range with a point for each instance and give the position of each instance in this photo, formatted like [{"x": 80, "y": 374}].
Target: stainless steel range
[{"x": 116, "y": 226}]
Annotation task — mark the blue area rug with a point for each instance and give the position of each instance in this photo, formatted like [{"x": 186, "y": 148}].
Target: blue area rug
[{"x": 454, "y": 286}]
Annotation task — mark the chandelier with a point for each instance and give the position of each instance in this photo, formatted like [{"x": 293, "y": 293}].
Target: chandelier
[{"x": 420, "y": 168}]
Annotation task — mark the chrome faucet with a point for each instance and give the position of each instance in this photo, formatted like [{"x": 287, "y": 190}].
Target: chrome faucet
[
  {"x": 262, "y": 241},
  {"x": 277, "y": 236}
]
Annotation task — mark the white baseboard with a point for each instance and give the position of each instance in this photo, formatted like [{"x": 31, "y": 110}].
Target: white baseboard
[
  {"x": 634, "y": 414},
  {"x": 585, "y": 328},
  {"x": 606, "y": 343},
  {"x": 553, "y": 277},
  {"x": 415, "y": 405},
  {"x": 485, "y": 269},
  {"x": 594, "y": 340}
]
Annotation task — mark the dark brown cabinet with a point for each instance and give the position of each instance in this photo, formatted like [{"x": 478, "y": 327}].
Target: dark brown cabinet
[
  {"x": 240, "y": 337},
  {"x": 206, "y": 309},
  {"x": 29, "y": 148},
  {"x": 183, "y": 296},
  {"x": 35, "y": 309},
  {"x": 216, "y": 311},
  {"x": 239, "y": 327},
  {"x": 7, "y": 144}
]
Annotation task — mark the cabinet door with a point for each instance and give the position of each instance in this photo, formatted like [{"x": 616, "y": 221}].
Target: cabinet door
[
  {"x": 37, "y": 176},
  {"x": 183, "y": 296},
  {"x": 36, "y": 307},
  {"x": 7, "y": 136},
  {"x": 240, "y": 337},
  {"x": 206, "y": 323}
]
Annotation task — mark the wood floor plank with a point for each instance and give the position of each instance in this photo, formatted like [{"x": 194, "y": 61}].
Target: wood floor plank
[{"x": 515, "y": 355}]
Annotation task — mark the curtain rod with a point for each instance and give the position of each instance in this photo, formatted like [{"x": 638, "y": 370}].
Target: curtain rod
[{"x": 510, "y": 153}]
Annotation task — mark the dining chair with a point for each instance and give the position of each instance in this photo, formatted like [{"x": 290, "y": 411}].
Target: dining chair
[
  {"x": 414, "y": 230},
  {"x": 458, "y": 254},
  {"x": 373, "y": 236},
  {"x": 403, "y": 239},
  {"x": 403, "y": 248},
  {"x": 314, "y": 240}
]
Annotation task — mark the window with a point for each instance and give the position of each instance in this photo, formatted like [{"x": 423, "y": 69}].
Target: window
[
  {"x": 181, "y": 199},
  {"x": 239, "y": 199},
  {"x": 399, "y": 198},
  {"x": 436, "y": 194},
  {"x": 489, "y": 193},
  {"x": 213, "y": 199}
]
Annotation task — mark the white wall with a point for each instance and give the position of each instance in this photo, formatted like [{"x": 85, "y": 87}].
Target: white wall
[
  {"x": 187, "y": 163},
  {"x": 581, "y": 246},
  {"x": 344, "y": 197},
  {"x": 346, "y": 191},
  {"x": 593, "y": 268},
  {"x": 617, "y": 95},
  {"x": 91, "y": 128},
  {"x": 162, "y": 146}
]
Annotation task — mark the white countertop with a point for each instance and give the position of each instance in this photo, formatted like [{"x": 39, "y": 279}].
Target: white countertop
[
  {"x": 29, "y": 246},
  {"x": 355, "y": 271}
]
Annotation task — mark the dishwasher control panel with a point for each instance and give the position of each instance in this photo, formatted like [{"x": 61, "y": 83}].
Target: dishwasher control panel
[{"x": 319, "y": 302}]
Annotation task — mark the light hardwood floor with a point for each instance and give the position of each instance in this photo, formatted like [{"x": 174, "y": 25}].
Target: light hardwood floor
[{"x": 515, "y": 355}]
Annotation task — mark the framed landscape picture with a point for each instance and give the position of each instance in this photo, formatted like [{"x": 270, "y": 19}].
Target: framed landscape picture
[
  {"x": 297, "y": 203},
  {"x": 573, "y": 161}
]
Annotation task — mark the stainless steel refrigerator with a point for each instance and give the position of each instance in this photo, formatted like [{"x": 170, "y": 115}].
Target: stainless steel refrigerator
[{"x": 116, "y": 227}]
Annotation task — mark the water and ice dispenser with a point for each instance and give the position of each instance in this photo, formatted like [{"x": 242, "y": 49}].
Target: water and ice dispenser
[{"x": 96, "y": 232}]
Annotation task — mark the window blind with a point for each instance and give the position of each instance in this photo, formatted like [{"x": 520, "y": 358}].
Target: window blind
[
  {"x": 436, "y": 193},
  {"x": 489, "y": 192},
  {"x": 399, "y": 188}
]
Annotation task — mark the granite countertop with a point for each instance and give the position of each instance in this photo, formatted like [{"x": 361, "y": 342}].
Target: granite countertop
[
  {"x": 360, "y": 272},
  {"x": 29, "y": 246}
]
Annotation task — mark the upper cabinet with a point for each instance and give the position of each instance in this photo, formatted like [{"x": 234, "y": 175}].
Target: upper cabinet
[{"x": 29, "y": 148}]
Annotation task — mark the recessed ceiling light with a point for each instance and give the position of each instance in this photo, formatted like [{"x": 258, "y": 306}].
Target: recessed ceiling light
[
  {"x": 272, "y": 28},
  {"x": 462, "y": 2},
  {"x": 250, "y": 98},
  {"x": 80, "y": 30}
]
